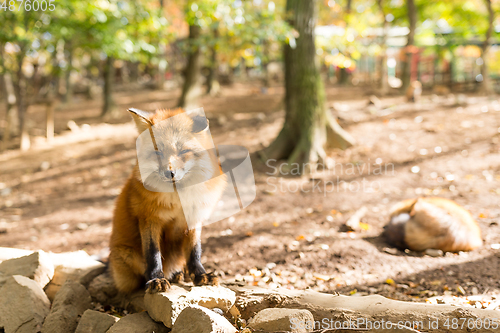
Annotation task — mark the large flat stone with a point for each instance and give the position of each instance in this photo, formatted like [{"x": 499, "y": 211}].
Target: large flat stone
[
  {"x": 279, "y": 320},
  {"x": 166, "y": 307},
  {"x": 7, "y": 253},
  {"x": 76, "y": 266},
  {"x": 23, "y": 305},
  {"x": 199, "y": 319},
  {"x": 37, "y": 266},
  {"x": 70, "y": 303},
  {"x": 95, "y": 322},
  {"x": 138, "y": 323}
]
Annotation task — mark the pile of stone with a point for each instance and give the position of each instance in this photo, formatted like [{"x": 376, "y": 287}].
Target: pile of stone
[{"x": 56, "y": 293}]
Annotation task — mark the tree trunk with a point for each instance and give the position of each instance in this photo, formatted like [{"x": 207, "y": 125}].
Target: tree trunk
[
  {"x": 486, "y": 86},
  {"x": 191, "y": 89},
  {"x": 162, "y": 67},
  {"x": 109, "y": 106},
  {"x": 49, "y": 109},
  {"x": 8, "y": 127},
  {"x": 134, "y": 71},
  {"x": 343, "y": 76},
  {"x": 67, "y": 77},
  {"x": 451, "y": 70},
  {"x": 308, "y": 126},
  {"x": 213, "y": 63},
  {"x": 20, "y": 87},
  {"x": 243, "y": 69},
  {"x": 343, "y": 73},
  {"x": 384, "y": 83},
  {"x": 266, "y": 79},
  {"x": 3, "y": 95},
  {"x": 162, "y": 64},
  {"x": 407, "y": 62},
  {"x": 11, "y": 119}
]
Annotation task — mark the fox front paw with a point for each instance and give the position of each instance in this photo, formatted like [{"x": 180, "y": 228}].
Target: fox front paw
[
  {"x": 157, "y": 285},
  {"x": 205, "y": 279},
  {"x": 177, "y": 277}
]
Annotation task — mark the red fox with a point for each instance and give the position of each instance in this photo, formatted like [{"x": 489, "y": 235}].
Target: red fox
[
  {"x": 151, "y": 242},
  {"x": 432, "y": 223}
]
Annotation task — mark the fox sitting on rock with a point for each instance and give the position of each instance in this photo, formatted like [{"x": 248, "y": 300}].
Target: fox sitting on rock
[{"x": 151, "y": 242}]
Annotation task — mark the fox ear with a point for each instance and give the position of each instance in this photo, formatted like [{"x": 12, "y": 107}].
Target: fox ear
[
  {"x": 200, "y": 123},
  {"x": 141, "y": 119}
]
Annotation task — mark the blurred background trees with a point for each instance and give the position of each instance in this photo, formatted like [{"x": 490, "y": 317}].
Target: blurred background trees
[{"x": 88, "y": 48}]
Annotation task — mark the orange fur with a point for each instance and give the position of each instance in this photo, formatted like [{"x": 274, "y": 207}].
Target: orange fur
[
  {"x": 142, "y": 217},
  {"x": 433, "y": 223}
]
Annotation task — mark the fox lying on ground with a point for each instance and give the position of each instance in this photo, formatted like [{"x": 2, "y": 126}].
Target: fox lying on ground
[
  {"x": 151, "y": 242},
  {"x": 432, "y": 223}
]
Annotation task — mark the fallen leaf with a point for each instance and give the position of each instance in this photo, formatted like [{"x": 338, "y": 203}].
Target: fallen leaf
[
  {"x": 364, "y": 226},
  {"x": 321, "y": 277}
]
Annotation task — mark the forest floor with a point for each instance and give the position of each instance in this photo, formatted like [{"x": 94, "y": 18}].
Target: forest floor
[{"x": 60, "y": 197}]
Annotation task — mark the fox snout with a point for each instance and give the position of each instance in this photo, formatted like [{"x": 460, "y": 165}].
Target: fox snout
[
  {"x": 169, "y": 174},
  {"x": 172, "y": 174}
]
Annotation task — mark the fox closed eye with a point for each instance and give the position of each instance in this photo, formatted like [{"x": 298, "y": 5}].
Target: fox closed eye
[{"x": 185, "y": 151}]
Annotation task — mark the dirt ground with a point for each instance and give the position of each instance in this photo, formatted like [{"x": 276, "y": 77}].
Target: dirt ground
[{"x": 60, "y": 197}]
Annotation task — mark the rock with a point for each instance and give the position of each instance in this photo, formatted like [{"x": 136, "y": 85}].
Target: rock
[
  {"x": 70, "y": 303},
  {"x": 137, "y": 323},
  {"x": 278, "y": 320},
  {"x": 252, "y": 299},
  {"x": 36, "y": 266},
  {"x": 134, "y": 302},
  {"x": 76, "y": 266},
  {"x": 102, "y": 288},
  {"x": 23, "y": 305},
  {"x": 390, "y": 250},
  {"x": 434, "y": 253},
  {"x": 166, "y": 307},
  {"x": 7, "y": 253},
  {"x": 198, "y": 319},
  {"x": 95, "y": 322}
]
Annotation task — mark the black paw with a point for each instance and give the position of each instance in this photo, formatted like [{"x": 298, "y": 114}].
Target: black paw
[
  {"x": 157, "y": 285},
  {"x": 205, "y": 279},
  {"x": 177, "y": 277}
]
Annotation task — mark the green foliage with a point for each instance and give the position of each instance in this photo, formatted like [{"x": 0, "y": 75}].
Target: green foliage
[
  {"x": 447, "y": 22},
  {"x": 249, "y": 29},
  {"x": 236, "y": 29},
  {"x": 128, "y": 30}
]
